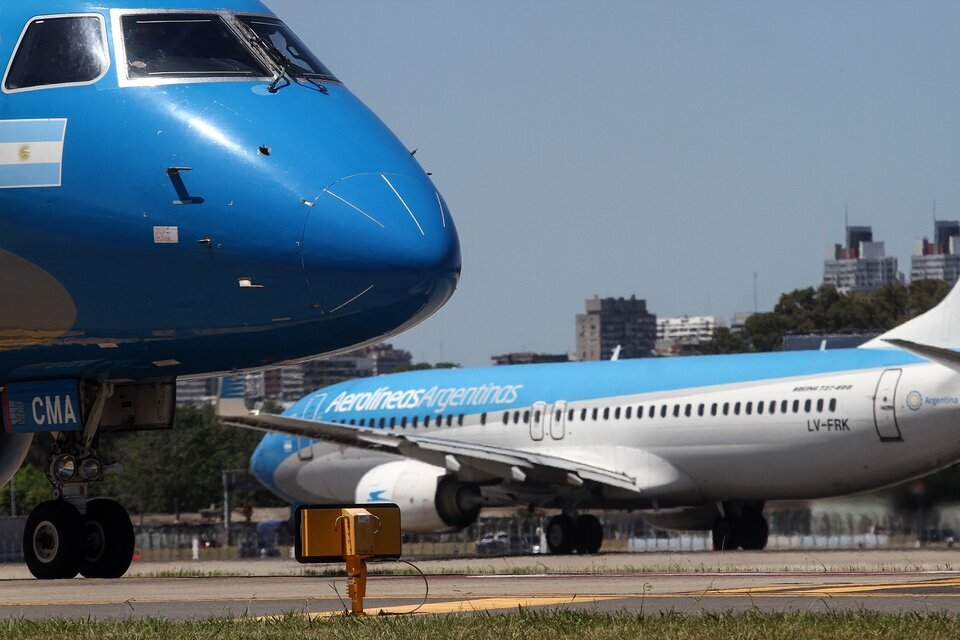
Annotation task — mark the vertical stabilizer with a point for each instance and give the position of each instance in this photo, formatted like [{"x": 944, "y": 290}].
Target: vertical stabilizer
[{"x": 938, "y": 327}]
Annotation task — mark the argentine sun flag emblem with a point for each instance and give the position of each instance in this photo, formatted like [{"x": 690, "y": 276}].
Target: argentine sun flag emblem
[{"x": 31, "y": 153}]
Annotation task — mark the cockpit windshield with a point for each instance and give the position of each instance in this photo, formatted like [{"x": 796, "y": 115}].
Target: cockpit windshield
[
  {"x": 181, "y": 45},
  {"x": 275, "y": 33}
]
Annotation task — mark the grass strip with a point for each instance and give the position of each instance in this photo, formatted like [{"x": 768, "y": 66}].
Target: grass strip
[{"x": 535, "y": 625}]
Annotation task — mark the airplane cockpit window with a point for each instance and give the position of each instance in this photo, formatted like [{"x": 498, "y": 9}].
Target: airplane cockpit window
[
  {"x": 59, "y": 51},
  {"x": 181, "y": 45},
  {"x": 295, "y": 55}
]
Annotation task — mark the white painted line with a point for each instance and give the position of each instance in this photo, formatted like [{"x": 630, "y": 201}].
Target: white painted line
[
  {"x": 443, "y": 218},
  {"x": 403, "y": 203},
  {"x": 355, "y": 208},
  {"x": 353, "y": 299}
]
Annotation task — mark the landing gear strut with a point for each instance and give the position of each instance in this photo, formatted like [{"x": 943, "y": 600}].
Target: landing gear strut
[
  {"x": 71, "y": 534},
  {"x": 566, "y": 535},
  {"x": 741, "y": 526}
]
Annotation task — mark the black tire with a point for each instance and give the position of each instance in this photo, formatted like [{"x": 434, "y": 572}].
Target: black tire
[
  {"x": 727, "y": 534},
  {"x": 108, "y": 540},
  {"x": 53, "y": 541},
  {"x": 561, "y": 535},
  {"x": 589, "y": 534},
  {"x": 756, "y": 531}
]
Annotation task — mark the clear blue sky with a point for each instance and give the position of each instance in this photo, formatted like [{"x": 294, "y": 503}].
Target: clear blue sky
[{"x": 663, "y": 149}]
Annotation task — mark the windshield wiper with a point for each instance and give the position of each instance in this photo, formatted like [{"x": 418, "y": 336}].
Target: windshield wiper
[
  {"x": 279, "y": 63},
  {"x": 284, "y": 68}
]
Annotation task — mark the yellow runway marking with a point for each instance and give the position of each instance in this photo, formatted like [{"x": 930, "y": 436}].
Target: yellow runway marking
[
  {"x": 469, "y": 606},
  {"x": 835, "y": 589}
]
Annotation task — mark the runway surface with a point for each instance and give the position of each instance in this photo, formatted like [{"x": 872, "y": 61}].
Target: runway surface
[{"x": 927, "y": 590}]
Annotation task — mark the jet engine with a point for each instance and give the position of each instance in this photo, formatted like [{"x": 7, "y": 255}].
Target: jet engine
[
  {"x": 430, "y": 500},
  {"x": 13, "y": 449}
]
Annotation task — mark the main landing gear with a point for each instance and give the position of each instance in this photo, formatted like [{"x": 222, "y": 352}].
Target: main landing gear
[
  {"x": 740, "y": 526},
  {"x": 72, "y": 535},
  {"x": 566, "y": 534},
  {"x": 59, "y": 542}
]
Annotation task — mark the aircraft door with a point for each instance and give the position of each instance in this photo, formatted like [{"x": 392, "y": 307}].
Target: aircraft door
[
  {"x": 538, "y": 418},
  {"x": 885, "y": 405},
  {"x": 558, "y": 420}
]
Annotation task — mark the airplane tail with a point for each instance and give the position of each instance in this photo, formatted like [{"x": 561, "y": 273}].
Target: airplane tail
[{"x": 937, "y": 329}]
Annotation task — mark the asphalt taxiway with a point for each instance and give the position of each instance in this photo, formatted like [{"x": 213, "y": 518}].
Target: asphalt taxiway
[{"x": 892, "y": 585}]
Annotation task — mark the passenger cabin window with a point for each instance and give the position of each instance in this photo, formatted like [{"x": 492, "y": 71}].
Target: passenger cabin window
[
  {"x": 186, "y": 45},
  {"x": 59, "y": 51},
  {"x": 833, "y": 405},
  {"x": 483, "y": 418}
]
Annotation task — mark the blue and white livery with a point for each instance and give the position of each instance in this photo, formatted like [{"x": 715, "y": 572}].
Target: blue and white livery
[
  {"x": 185, "y": 189},
  {"x": 693, "y": 443}
]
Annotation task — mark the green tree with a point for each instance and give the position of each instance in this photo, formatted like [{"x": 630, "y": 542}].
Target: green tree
[
  {"x": 30, "y": 488},
  {"x": 724, "y": 341},
  {"x": 177, "y": 470}
]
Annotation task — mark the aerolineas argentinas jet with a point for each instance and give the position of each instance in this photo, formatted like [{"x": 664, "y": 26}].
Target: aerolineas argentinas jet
[
  {"x": 184, "y": 189},
  {"x": 693, "y": 443}
]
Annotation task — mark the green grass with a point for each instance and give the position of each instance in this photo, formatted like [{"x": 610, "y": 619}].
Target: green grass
[{"x": 532, "y": 625}]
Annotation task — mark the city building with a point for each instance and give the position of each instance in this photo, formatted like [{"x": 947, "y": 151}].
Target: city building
[
  {"x": 197, "y": 391},
  {"x": 612, "y": 322},
  {"x": 684, "y": 335},
  {"x": 289, "y": 384},
  {"x": 528, "y": 357},
  {"x": 687, "y": 329},
  {"x": 940, "y": 259},
  {"x": 860, "y": 265}
]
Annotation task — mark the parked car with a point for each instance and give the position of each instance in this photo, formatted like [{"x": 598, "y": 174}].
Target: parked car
[{"x": 502, "y": 543}]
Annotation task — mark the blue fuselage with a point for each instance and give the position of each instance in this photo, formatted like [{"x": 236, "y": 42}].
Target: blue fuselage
[{"x": 207, "y": 226}]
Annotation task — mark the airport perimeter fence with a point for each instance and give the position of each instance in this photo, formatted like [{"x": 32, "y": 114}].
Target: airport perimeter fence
[{"x": 523, "y": 534}]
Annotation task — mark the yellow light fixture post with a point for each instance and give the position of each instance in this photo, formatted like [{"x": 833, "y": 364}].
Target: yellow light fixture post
[{"x": 354, "y": 533}]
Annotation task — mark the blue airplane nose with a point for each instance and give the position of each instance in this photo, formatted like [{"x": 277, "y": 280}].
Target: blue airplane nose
[{"x": 382, "y": 243}]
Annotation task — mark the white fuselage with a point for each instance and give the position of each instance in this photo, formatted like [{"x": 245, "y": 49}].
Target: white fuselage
[{"x": 784, "y": 438}]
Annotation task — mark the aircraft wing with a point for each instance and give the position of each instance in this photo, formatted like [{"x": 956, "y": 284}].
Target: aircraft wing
[{"x": 456, "y": 456}]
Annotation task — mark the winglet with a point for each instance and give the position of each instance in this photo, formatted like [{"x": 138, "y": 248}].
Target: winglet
[{"x": 230, "y": 401}]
